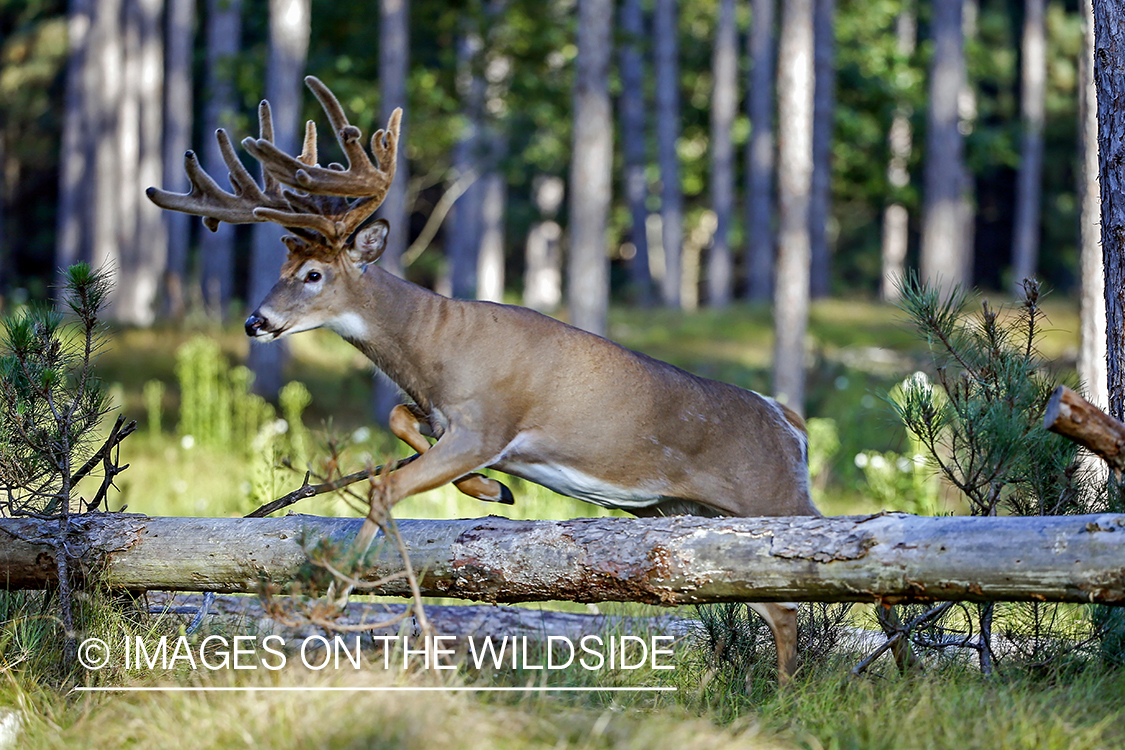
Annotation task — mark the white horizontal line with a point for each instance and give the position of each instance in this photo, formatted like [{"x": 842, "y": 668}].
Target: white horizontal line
[{"x": 195, "y": 689}]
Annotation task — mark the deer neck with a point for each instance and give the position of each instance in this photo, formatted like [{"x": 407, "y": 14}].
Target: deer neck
[{"x": 392, "y": 321}]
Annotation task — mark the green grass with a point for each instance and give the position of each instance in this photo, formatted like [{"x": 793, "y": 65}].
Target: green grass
[{"x": 826, "y": 709}]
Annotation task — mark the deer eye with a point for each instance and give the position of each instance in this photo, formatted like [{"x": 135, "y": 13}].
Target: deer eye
[{"x": 312, "y": 277}]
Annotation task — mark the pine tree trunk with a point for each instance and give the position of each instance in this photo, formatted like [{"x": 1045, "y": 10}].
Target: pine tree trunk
[
  {"x": 760, "y": 154},
  {"x": 144, "y": 241},
  {"x": 633, "y": 148},
  {"x": 724, "y": 106},
  {"x": 104, "y": 85},
  {"x": 289, "y": 44},
  {"x": 666, "y": 39},
  {"x": 1025, "y": 243},
  {"x": 967, "y": 116},
  {"x": 824, "y": 119},
  {"x": 1092, "y": 353},
  {"x": 128, "y": 158},
  {"x": 490, "y": 264},
  {"x": 590, "y": 170},
  {"x": 896, "y": 219},
  {"x": 943, "y": 251},
  {"x": 72, "y": 242},
  {"x": 463, "y": 227},
  {"x": 1109, "y": 75},
  {"x": 178, "y": 107},
  {"x": 795, "y": 83},
  {"x": 494, "y": 185},
  {"x": 224, "y": 42},
  {"x": 542, "y": 286},
  {"x": 394, "y": 68}
]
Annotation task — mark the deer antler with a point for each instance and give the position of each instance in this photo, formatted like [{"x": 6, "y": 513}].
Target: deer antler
[
  {"x": 363, "y": 179},
  {"x": 319, "y": 202}
]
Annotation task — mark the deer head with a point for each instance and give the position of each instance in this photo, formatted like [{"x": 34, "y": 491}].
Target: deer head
[{"x": 322, "y": 208}]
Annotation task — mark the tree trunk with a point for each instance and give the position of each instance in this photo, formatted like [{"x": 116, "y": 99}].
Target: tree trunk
[
  {"x": 943, "y": 234},
  {"x": 1109, "y": 75},
  {"x": 463, "y": 227},
  {"x": 394, "y": 69},
  {"x": 224, "y": 42},
  {"x": 75, "y": 166},
  {"x": 1025, "y": 243},
  {"x": 724, "y": 106},
  {"x": 633, "y": 148},
  {"x": 760, "y": 154},
  {"x": 179, "y": 36},
  {"x": 591, "y": 170},
  {"x": 144, "y": 243},
  {"x": 795, "y": 83},
  {"x": 1092, "y": 352},
  {"x": 104, "y": 83},
  {"x": 289, "y": 44},
  {"x": 542, "y": 286},
  {"x": 967, "y": 117},
  {"x": 896, "y": 219},
  {"x": 890, "y": 558},
  {"x": 128, "y": 157},
  {"x": 494, "y": 184},
  {"x": 824, "y": 120},
  {"x": 490, "y": 264},
  {"x": 666, "y": 33},
  {"x": 477, "y": 621}
]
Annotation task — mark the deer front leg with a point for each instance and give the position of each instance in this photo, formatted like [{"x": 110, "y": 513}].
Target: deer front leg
[
  {"x": 453, "y": 456},
  {"x": 782, "y": 621},
  {"x": 406, "y": 426}
]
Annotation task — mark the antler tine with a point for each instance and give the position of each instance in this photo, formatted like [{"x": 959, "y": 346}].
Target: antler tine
[
  {"x": 210, "y": 201},
  {"x": 330, "y": 214},
  {"x": 362, "y": 179},
  {"x": 265, "y": 133},
  {"x": 308, "y": 150}
]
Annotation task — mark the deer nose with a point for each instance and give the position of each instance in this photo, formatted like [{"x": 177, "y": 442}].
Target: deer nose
[{"x": 254, "y": 325}]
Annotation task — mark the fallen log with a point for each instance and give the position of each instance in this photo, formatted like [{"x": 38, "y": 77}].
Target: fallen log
[
  {"x": 685, "y": 560},
  {"x": 234, "y": 613},
  {"x": 1072, "y": 416}
]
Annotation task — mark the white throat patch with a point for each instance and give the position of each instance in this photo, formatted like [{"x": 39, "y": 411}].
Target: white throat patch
[{"x": 350, "y": 325}]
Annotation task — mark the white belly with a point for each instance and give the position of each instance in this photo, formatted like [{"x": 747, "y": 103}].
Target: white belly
[{"x": 568, "y": 481}]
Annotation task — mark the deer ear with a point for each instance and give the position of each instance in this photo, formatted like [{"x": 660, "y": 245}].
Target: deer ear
[{"x": 369, "y": 243}]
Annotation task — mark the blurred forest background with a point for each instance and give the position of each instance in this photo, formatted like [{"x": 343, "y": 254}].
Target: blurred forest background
[{"x": 564, "y": 154}]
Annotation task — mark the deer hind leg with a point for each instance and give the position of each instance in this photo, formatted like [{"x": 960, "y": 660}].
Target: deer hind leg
[
  {"x": 406, "y": 425},
  {"x": 781, "y": 618}
]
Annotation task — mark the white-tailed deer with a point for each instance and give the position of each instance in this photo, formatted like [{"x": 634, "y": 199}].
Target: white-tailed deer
[{"x": 500, "y": 386}]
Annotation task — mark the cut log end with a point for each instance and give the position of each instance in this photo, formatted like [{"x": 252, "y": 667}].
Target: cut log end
[{"x": 1073, "y": 417}]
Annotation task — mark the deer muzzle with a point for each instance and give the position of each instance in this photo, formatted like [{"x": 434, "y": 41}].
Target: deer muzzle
[{"x": 257, "y": 325}]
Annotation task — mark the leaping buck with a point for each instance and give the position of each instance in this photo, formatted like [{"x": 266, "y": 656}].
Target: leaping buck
[{"x": 500, "y": 386}]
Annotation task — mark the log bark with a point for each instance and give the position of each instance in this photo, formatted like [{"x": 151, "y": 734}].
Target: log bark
[
  {"x": 669, "y": 561},
  {"x": 1074, "y": 417}
]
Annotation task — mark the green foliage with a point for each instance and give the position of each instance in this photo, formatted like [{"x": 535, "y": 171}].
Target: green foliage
[
  {"x": 217, "y": 409},
  {"x": 51, "y": 403},
  {"x": 154, "y": 405},
  {"x": 981, "y": 426},
  {"x": 294, "y": 399},
  {"x": 218, "y": 412},
  {"x": 824, "y": 444}
]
